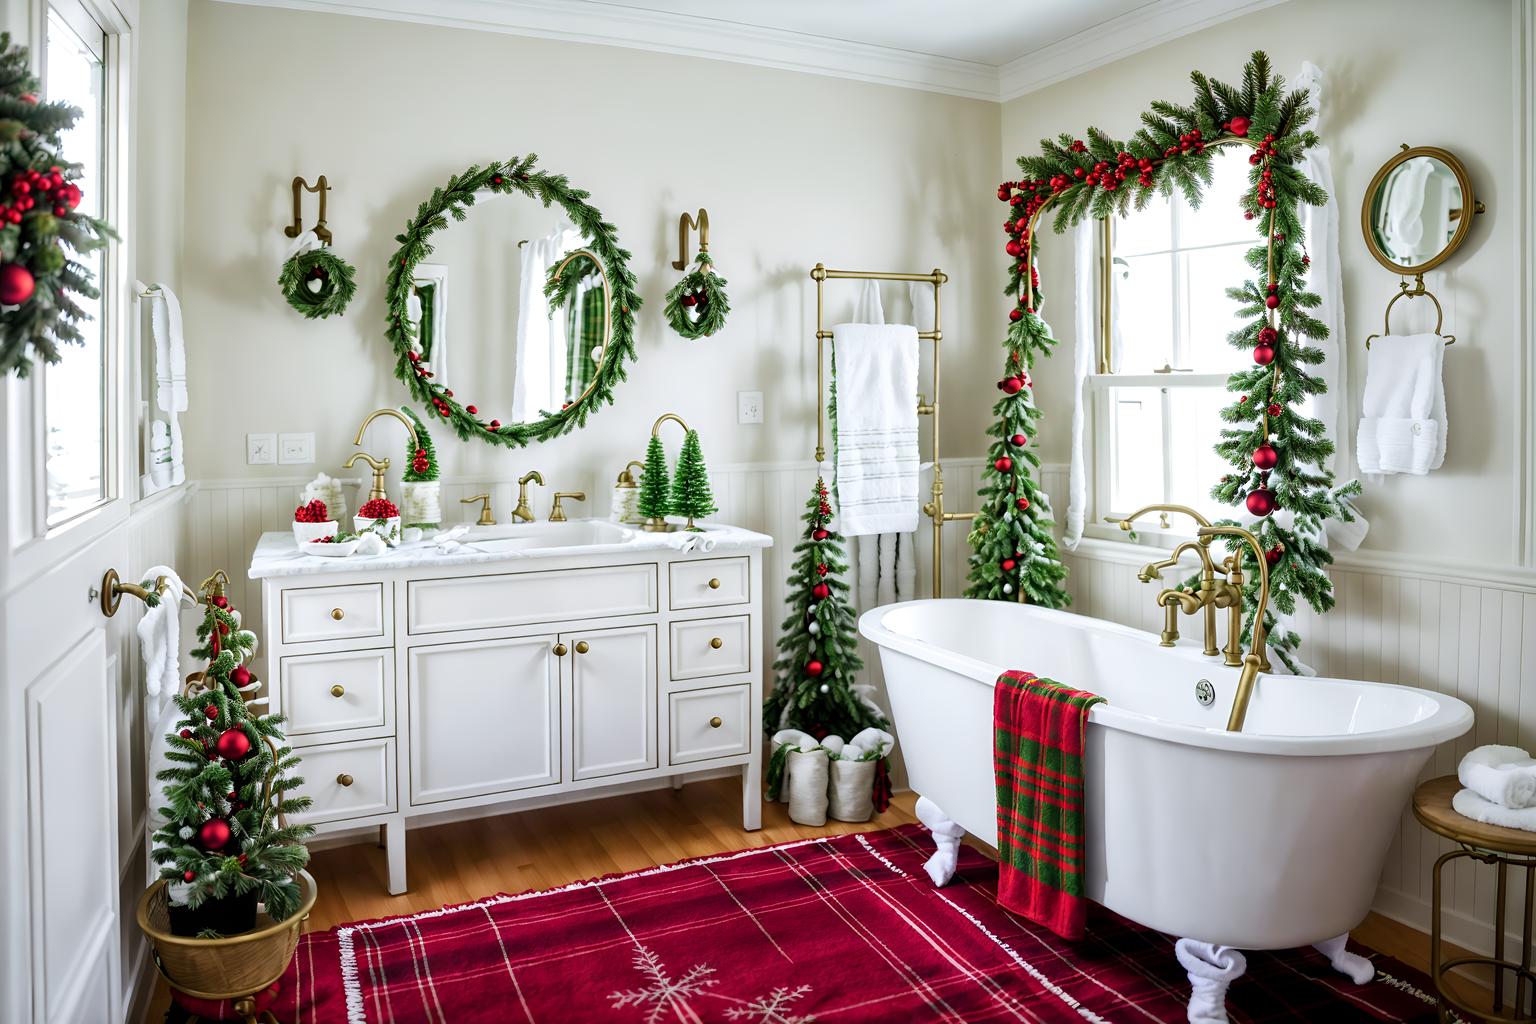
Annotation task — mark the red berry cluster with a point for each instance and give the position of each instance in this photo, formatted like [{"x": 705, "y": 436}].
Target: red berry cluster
[
  {"x": 27, "y": 188},
  {"x": 314, "y": 512},
  {"x": 378, "y": 508},
  {"x": 419, "y": 461},
  {"x": 1263, "y": 151},
  {"x": 441, "y": 406},
  {"x": 698, "y": 299},
  {"x": 1189, "y": 142},
  {"x": 1016, "y": 383}
]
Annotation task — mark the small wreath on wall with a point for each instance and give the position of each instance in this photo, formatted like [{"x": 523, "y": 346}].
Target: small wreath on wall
[
  {"x": 697, "y": 305},
  {"x": 453, "y": 200},
  {"x": 318, "y": 283}
]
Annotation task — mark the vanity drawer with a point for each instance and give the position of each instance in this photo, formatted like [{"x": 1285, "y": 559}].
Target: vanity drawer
[
  {"x": 710, "y": 723},
  {"x": 333, "y": 613},
  {"x": 329, "y": 692},
  {"x": 710, "y": 582},
  {"x": 348, "y": 780},
  {"x": 711, "y": 647},
  {"x": 485, "y": 602}
]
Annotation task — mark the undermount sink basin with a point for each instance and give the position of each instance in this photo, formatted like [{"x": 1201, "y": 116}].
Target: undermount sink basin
[{"x": 531, "y": 536}]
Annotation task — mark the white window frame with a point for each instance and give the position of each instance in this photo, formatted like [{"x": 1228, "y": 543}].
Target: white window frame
[{"x": 33, "y": 545}]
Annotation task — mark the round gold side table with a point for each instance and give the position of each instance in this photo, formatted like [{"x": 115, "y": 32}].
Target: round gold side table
[{"x": 1487, "y": 844}]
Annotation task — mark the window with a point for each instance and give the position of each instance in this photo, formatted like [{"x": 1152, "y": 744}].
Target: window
[
  {"x": 1158, "y": 398},
  {"x": 77, "y": 389}
]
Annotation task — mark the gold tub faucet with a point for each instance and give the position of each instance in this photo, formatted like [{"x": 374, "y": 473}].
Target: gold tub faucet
[{"x": 1257, "y": 658}]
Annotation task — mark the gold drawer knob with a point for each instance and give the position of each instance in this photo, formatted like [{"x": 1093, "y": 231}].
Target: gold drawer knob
[
  {"x": 716, "y": 642},
  {"x": 338, "y": 614},
  {"x": 581, "y": 647},
  {"x": 714, "y": 583},
  {"x": 715, "y": 723},
  {"x": 344, "y": 779},
  {"x": 559, "y": 650},
  {"x": 338, "y": 690}
]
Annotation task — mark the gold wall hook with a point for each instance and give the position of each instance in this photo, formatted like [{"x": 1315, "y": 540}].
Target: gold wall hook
[
  {"x": 684, "y": 224},
  {"x": 300, "y": 186},
  {"x": 110, "y": 596}
]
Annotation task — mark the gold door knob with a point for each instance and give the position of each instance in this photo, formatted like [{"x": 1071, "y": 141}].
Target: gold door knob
[
  {"x": 559, "y": 650},
  {"x": 581, "y": 647},
  {"x": 714, "y": 584},
  {"x": 338, "y": 614},
  {"x": 344, "y": 779},
  {"x": 715, "y": 723},
  {"x": 716, "y": 642},
  {"x": 338, "y": 690}
]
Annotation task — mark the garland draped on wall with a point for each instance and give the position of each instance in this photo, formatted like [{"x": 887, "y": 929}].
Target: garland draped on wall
[{"x": 1278, "y": 455}]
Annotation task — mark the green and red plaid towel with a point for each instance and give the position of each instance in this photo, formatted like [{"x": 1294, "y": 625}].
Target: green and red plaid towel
[{"x": 1037, "y": 758}]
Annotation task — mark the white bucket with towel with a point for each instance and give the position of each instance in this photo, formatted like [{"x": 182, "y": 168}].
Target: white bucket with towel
[
  {"x": 853, "y": 766},
  {"x": 798, "y": 776}
]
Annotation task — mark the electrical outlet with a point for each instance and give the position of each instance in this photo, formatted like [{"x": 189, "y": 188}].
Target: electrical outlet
[
  {"x": 749, "y": 407},
  {"x": 295, "y": 448},
  {"x": 260, "y": 449}
]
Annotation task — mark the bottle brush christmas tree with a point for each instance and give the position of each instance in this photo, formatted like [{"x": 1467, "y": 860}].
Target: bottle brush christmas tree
[
  {"x": 231, "y": 777},
  {"x": 421, "y": 490},
  {"x": 691, "y": 495},
  {"x": 654, "y": 500}
]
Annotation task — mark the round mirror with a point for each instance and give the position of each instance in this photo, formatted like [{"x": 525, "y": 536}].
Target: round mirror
[
  {"x": 1417, "y": 210},
  {"x": 511, "y": 319}
]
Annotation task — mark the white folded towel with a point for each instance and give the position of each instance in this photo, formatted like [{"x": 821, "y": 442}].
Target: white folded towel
[
  {"x": 1500, "y": 775},
  {"x": 876, "y": 440},
  {"x": 1469, "y": 805},
  {"x": 1403, "y": 421},
  {"x": 159, "y": 631}
]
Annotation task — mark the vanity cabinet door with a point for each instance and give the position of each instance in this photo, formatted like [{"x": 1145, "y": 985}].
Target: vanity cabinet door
[
  {"x": 485, "y": 717},
  {"x": 613, "y": 700}
]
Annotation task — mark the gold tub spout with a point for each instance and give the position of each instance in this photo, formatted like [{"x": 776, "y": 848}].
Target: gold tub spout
[
  {"x": 1129, "y": 522},
  {"x": 1257, "y": 658},
  {"x": 1205, "y": 598}
]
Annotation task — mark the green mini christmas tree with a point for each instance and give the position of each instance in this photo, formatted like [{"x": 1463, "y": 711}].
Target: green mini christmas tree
[
  {"x": 420, "y": 461},
  {"x": 231, "y": 776},
  {"x": 691, "y": 495},
  {"x": 654, "y": 500}
]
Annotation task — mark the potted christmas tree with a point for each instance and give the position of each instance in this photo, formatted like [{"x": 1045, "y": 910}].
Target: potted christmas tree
[
  {"x": 420, "y": 487},
  {"x": 224, "y": 844}
]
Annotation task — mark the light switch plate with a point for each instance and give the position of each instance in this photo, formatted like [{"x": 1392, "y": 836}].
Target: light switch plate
[
  {"x": 295, "y": 448},
  {"x": 749, "y": 407},
  {"x": 260, "y": 449}
]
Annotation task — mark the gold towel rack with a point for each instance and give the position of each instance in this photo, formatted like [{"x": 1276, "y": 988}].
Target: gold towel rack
[
  {"x": 110, "y": 595},
  {"x": 1405, "y": 291},
  {"x": 934, "y": 509}
]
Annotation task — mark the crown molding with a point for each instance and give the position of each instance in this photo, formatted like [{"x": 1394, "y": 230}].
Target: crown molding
[
  {"x": 614, "y": 25},
  {"x": 1141, "y": 29}
]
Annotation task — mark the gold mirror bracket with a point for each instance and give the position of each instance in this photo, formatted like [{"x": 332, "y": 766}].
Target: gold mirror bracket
[
  {"x": 684, "y": 224},
  {"x": 300, "y": 186}
]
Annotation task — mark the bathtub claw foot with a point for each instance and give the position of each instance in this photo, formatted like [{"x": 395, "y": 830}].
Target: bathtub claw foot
[
  {"x": 1211, "y": 970},
  {"x": 1353, "y": 966},
  {"x": 946, "y": 836}
]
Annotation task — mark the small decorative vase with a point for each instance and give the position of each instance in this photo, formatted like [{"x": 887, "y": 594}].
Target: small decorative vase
[
  {"x": 420, "y": 504},
  {"x": 389, "y": 529},
  {"x": 303, "y": 533},
  {"x": 805, "y": 775},
  {"x": 853, "y": 787}
]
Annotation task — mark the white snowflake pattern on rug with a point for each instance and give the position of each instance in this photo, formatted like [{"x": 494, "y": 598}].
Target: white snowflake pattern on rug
[{"x": 662, "y": 994}]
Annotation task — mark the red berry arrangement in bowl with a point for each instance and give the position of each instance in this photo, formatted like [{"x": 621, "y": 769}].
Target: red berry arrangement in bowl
[
  {"x": 312, "y": 521},
  {"x": 314, "y": 512},
  {"x": 378, "y": 508}
]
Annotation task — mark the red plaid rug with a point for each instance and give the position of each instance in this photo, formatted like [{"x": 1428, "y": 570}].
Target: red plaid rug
[{"x": 846, "y": 929}]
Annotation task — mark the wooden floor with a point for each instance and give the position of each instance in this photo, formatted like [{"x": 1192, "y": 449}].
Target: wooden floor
[{"x": 551, "y": 846}]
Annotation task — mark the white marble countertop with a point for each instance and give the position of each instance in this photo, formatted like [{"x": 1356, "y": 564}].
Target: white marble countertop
[{"x": 278, "y": 555}]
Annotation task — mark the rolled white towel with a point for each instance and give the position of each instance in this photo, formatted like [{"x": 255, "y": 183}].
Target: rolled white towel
[
  {"x": 802, "y": 741},
  {"x": 1212, "y": 970},
  {"x": 1468, "y": 804},
  {"x": 1500, "y": 775},
  {"x": 878, "y": 740}
]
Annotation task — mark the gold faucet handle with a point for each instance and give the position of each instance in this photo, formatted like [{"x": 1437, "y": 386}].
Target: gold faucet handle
[
  {"x": 557, "y": 512},
  {"x": 486, "y": 519}
]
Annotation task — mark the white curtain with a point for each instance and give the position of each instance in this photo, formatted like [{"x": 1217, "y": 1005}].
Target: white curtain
[
  {"x": 540, "y": 381},
  {"x": 1086, "y": 292}
]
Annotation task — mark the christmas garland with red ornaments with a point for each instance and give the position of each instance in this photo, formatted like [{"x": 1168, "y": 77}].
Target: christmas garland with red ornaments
[
  {"x": 454, "y": 200},
  {"x": 44, "y": 237},
  {"x": 697, "y": 305},
  {"x": 1278, "y": 455}
]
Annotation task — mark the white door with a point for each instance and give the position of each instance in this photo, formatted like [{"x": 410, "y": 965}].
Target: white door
[
  {"x": 613, "y": 700},
  {"x": 485, "y": 717}
]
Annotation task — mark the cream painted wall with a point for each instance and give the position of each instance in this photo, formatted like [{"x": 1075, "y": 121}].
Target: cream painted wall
[
  {"x": 161, "y": 141},
  {"x": 1397, "y": 71},
  {"x": 793, "y": 169}
]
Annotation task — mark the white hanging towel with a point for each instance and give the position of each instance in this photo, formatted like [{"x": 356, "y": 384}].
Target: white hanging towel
[
  {"x": 876, "y": 427},
  {"x": 170, "y": 366},
  {"x": 1403, "y": 420}
]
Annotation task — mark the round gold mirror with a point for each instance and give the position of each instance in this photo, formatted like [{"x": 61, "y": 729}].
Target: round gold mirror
[{"x": 1418, "y": 210}]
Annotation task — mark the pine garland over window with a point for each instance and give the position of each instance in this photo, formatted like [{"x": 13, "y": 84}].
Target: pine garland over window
[{"x": 1277, "y": 454}]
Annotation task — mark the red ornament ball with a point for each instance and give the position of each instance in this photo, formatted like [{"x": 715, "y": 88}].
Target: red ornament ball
[
  {"x": 1238, "y": 125},
  {"x": 1015, "y": 315},
  {"x": 1264, "y": 355},
  {"x": 215, "y": 834},
  {"x": 16, "y": 284},
  {"x": 1273, "y": 554},
  {"x": 185, "y": 734},
  {"x": 821, "y": 591},
  {"x": 233, "y": 744},
  {"x": 689, "y": 300},
  {"x": 211, "y": 711},
  {"x": 240, "y": 676},
  {"x": 1274, "y": 409},
  {"x": 1008, "y": 564},
  {"x": 1018, "y": 440},
  {"x": 1013, "y": 385},
  {"x": 1268, "y": 336},
  {"x": 188, "y": 875},
  {"x": 820, "y": 535},
  {"x": 814, "y": 668},
  {"x": 1003, "y": 464},
  {"x": 1261, "y": 502},
  {"x": 1272, "y": 301},
  {"x": 1265, "y": 457},
  {"x": 1023, "y": 504},
  {"x": 471, "y": 409}
]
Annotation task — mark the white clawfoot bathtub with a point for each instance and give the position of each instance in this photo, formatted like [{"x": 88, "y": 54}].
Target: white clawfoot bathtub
[{"x": 1265, "y": 839}]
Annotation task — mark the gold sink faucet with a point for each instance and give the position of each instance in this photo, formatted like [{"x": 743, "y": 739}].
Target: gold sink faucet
[
  {"x": 486, "y": 518},
  {"x": 557, "y": 513},
  {"x": 523, "y": 512},
  {"x": 378, "y": 466}
]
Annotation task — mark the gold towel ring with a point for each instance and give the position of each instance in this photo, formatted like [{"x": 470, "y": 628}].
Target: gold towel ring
[{"x": 1417, "y": 290}]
